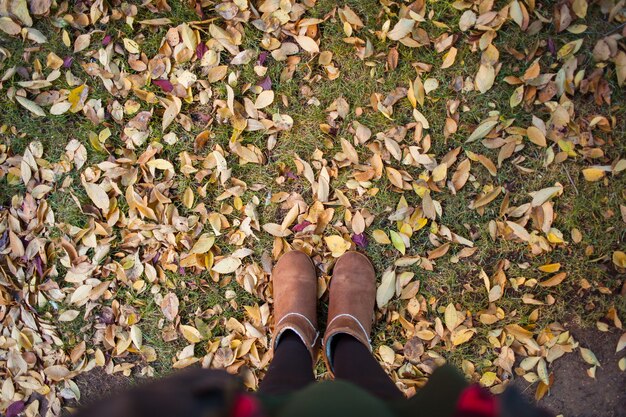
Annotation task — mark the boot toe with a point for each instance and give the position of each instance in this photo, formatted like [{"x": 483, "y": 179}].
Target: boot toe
[{"x": 355, "y": 264}]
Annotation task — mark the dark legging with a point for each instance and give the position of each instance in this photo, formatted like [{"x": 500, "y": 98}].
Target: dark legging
[{"x": 292, "y": 368}]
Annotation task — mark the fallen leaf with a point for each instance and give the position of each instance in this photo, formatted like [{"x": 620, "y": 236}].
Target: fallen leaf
[
  {"x": 387, "y": 354},
  {"x": 169, "y": 306},
  {"x": 397, "y": 241},
  {"x": 386, "y": 289},
  {"x": 554, "y": 280},
  {"x": 401, "y": 29},
  {"x": 31, "y": 106},
  {"x": 593, "y": 174},
  {"x": 264, "y": 99},
  {"x": 308, "y": 44},
  {"x": 536, "y": 136},
  {"x": 227, "y": 265},
  {"x": 97, "y": 195},
  {"x": 337, "y": 245},
  {"x": 550, "y": 267},
  {"x": 485, "y": 78},
  {"x": 589, "y": 357},
  {"x": 190, "y": 333}
]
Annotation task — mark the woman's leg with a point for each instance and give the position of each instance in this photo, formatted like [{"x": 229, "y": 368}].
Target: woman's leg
[
  {"x": 346, "y": 345},
  {"x": 291, "y": 368},
  {"x": 354, "y": 362}
]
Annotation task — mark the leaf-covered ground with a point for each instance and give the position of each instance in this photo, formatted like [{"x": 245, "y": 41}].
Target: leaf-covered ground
[{"x": 156, "y": 158}]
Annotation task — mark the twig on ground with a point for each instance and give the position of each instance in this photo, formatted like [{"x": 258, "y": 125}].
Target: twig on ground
[{"x": 571, "y": 180}]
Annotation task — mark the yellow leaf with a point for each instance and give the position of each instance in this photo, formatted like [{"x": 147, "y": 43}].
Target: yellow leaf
[
  {"x": 190, "y": 38},
  {"x": 488, "y": 379},
  {"x": 550, "y": 267},
  {"x": 190, "y": 333},
  {"x": 425, "y": 334},
  {"x": 291, "y": 216},
  {"x": 381, "y": 237},
  {"x": 188, "y": 197},
  {"x": 60, "y": 108},
  {"x": 420, "y": 90},
  {"x": 519, "y": 231},
  {"x": 449, "y": 58},
  {"x": 593, "y": 174},
  {"x": 131, "y": 46},
  {"x": 619, "y": 259},
  {"x": 621, "y": 343},
  {"x": 358, "y": 223},
  {"x": 495, "y": 293},
  {"x": 169, "y": 115},
  {"x": 569, "y": 48},
  {"x": 394, "y": 176},
  {"x": 555, "y": 236},
  {"x": 517, "y": 96},
  {"x": 276, "y": 230},
  {"x": 580, "y": 8},
  {"x": 482, "y": 130},
  {"x": 8, "y": 26},
  {"x": 337, "y": 245},
  {"x": 77, "y": 97},
  {"x": 410, "y": 95},
  {"x": 543, "y": 195},
  {"x": 440, "y": 172},
  {"x": 430, "y": 84}
]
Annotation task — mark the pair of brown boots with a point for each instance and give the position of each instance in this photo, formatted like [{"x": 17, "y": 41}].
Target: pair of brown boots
[{"x": 351, "y": 305}]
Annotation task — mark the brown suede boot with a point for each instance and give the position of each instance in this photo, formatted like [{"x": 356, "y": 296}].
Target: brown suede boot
[
  {"x": 352, "y": 300},
  {"x": 295, "y": 299}
]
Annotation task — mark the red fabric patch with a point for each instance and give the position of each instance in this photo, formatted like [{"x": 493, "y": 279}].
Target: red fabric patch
[
  {"x": 475, "y": 401},
  {"x": 246, "y": 406}
]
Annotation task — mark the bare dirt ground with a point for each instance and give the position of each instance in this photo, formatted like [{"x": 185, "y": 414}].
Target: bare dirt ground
[{"x": 574, "y": 393}]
